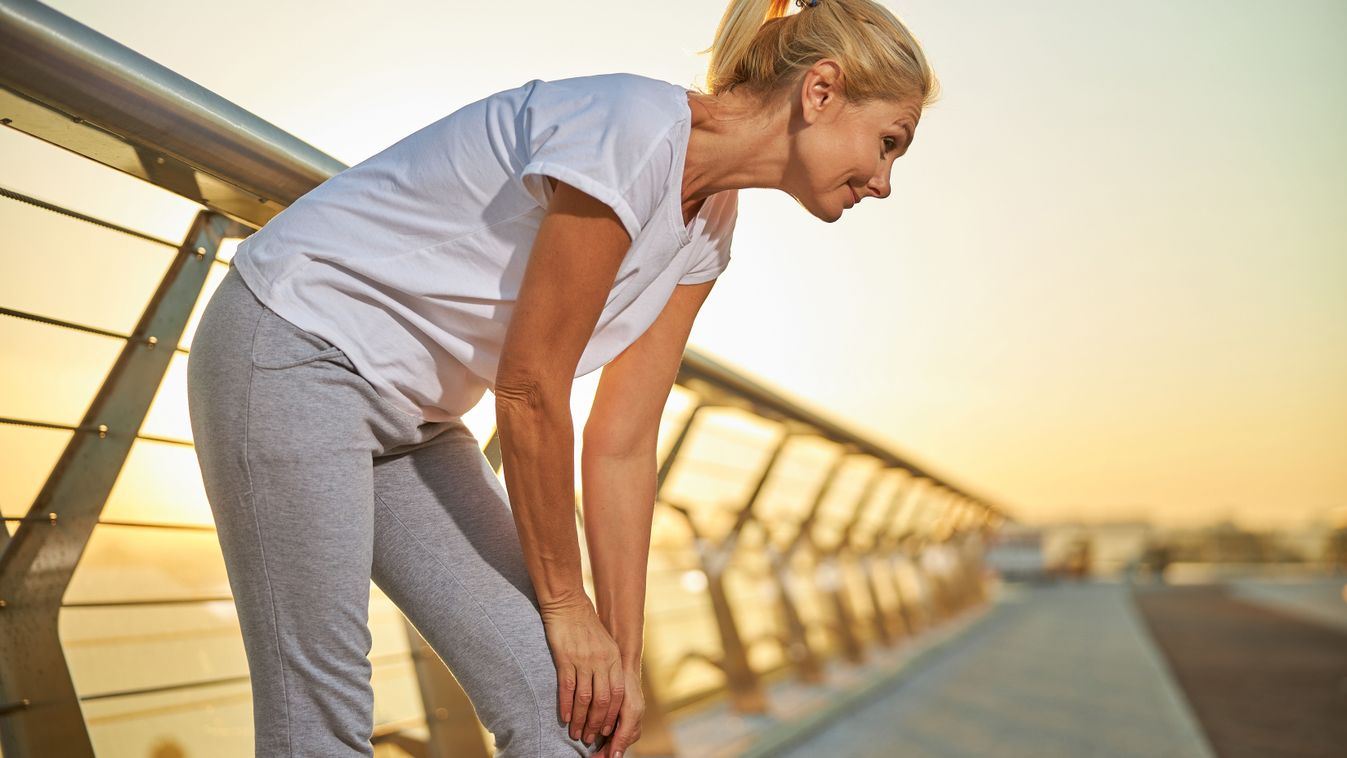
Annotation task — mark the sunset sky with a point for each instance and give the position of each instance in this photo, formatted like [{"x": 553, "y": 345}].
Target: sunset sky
[{"x": 1110, "y": 282}]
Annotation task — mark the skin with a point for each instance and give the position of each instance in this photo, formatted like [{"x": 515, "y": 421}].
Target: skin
[
  {"x": 822, "y": 150},
  {"x": 815, "y": 146}
]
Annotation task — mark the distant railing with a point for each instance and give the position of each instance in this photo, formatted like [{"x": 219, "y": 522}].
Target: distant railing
[{"x": 781, "y": 539}]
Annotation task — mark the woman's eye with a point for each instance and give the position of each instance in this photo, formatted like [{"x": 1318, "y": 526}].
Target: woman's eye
[{"x": 889, "y": 144}]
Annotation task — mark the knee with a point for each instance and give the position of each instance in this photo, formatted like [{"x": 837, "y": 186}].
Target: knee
[
  {"x": 531, "y": 727},
  {"x": 534, "y": 730}
]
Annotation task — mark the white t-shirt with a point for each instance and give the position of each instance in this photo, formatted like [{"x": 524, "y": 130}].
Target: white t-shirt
[{"x": 410, "y": 261}]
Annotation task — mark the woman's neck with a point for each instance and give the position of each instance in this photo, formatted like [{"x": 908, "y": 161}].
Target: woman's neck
[{"x": 732, "y": 144}]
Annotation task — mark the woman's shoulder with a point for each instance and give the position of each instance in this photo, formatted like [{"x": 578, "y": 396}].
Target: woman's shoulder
[{"x": 622, "y": 90}]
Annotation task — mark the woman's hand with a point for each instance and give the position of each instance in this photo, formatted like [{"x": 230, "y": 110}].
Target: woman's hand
[
  {"x": 628, "y": 728},
  {"x": 591, "y": 688}
]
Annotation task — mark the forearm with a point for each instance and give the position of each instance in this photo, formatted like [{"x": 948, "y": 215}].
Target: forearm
[
  {"x": 537, "y": 452},
  {"x": 619, "y": 502}
]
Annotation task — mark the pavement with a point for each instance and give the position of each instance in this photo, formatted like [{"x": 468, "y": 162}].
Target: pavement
[{"x": 1063, "y": 670}]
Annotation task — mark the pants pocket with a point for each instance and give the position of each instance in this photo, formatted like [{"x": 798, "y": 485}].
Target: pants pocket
[{"x": 280, "y": 344}]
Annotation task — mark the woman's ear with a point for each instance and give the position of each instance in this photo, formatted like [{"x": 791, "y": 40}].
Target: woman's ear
[{"x": 820, "y": 89}]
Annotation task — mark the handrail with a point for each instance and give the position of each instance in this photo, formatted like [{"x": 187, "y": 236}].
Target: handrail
[
  {"x": 697, "y": 366},
  {"x": 72, "y": 86},
  {"x": 55, "y": 63}
]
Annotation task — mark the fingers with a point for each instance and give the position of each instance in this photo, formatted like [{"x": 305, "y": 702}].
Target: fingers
[
  {"x": 628, "y": 731},
  {"x": 584, "y": 693},
  {"x": 597, "y": 702},
  {"x": 566, "y": 685},
  {"x": 617, "y": 682},
  {"x": 598, "y": 707}
]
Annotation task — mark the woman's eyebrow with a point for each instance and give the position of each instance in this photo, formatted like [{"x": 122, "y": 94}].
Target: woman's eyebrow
[
  {"x": 906, "y": 126},
  {"x": 907, "y": 134}
]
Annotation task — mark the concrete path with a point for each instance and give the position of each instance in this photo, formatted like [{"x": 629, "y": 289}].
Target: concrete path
[
  {"x": 1322, "y": 600},
  {"x": 1057, "y": 671}
]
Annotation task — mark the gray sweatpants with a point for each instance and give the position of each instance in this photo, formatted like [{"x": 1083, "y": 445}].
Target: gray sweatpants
[{"x": 317, "y": 485}]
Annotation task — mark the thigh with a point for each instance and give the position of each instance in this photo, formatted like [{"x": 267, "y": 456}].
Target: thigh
[
  {"x": 447, "y": 553},
  {"x": 286, "y": 458}
]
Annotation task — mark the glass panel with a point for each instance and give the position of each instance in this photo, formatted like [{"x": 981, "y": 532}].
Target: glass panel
[
  {"x": 167, "y": 416},
  {"x": 417, "y": 732},
  {"x": 215, "y": 720},
  {"x": 481, "y": 420},
  {"x": 912, "y": 503},
  {"x": 876, "y": 510},
  {"x": 718, "y": 468},
  {"x": 160, "y": 483},
  {"x": 790, "y": 491},
  {"x": 211, "y": 720},
  {"x": 843, "y": 498},
  {"x": 752, "y": 593},
  {"x": 68, "y": 269},
  {"x": 683, "y": 624},
  {"x": 123, "y": 649},
  {"x": 669, "y": 533},
  {"x": 678, "y": 610},
  {"x": 48, "y": 373},
  {"x": 929, "y": 508},
  {"x": 27, "y": 456},
  {"x": 397, "y": 693},
  {"x": 386, "y": 625},
  {"x": 805, "y": 586},
  {"x": 213, "y": 279},
  {"x": 858, "y": 597},
  {"x": 142, "y": 647},
  {"x": 676, "y": 409},
  {"x": 882, "y": 574},
  {"x": 228, "y": 246},
  {"x": 910, "y": 583},
  {"x": 145, "y": 563}
]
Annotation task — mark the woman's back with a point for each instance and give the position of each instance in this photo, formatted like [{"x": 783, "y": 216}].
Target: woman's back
[{"x": 410, "y": 261}]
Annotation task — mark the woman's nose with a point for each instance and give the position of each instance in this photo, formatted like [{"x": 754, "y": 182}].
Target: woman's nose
[{"x": 879, "y": 185}]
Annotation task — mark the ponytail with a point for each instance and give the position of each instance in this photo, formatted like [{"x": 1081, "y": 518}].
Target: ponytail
[{"x": 760, "y": 47}]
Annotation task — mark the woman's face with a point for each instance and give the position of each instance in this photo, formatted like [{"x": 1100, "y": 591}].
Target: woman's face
[{"x": 844, "y": 153}]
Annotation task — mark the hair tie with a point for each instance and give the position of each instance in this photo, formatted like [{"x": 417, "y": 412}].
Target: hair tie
[{"x": 802, "y": 3}]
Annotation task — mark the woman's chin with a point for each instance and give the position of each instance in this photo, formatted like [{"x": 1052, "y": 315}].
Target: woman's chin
[
  {"x": 825, "y": 214},
  {"x": 822, "y": 213}
]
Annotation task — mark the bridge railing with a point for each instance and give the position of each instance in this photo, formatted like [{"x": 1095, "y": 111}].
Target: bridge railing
[{"x": 781, "y": 538}]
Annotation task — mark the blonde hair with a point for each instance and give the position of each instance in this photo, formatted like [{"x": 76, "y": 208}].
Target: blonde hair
[{"x": 760, "y": 49}]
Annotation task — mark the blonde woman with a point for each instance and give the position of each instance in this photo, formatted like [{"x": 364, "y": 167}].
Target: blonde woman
[{"x": 523, "y": 240}]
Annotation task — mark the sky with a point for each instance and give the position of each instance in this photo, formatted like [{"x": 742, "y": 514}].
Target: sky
[{"x": 1110, "y": 281}]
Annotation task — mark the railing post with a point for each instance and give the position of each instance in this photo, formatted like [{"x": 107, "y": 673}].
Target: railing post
[
  {"x": 894, "y": 539},
  {"x": 834, "y": 580},
  {"x": 808, "y": 667},
  {"x": 887, "y": 622},
  {"x": 744, "y": 686}
]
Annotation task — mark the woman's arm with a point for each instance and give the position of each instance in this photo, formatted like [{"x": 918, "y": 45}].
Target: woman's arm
[
  {"x": 570, "y": 272},
  {"x": 619, "y": 500},
  {"x": 619, "y": 467}
]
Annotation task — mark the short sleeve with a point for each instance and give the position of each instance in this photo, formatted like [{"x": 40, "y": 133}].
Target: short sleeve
[
  {"x": 599, "y": 139},
  {"x": 712, "y": 243}
]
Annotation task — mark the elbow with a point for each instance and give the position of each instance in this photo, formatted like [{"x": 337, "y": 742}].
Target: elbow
[
  {"x": 529, "y": 401},
  {"x": 518, "y": 394}
]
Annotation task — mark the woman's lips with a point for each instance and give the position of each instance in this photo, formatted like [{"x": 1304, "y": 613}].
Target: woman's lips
[{"x": 854, "y": 197}]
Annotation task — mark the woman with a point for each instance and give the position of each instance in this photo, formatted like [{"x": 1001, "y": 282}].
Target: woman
[{"x": 521, "y": 241}]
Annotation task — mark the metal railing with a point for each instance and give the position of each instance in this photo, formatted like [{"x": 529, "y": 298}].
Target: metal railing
[{"x": 837, "y": 561}]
